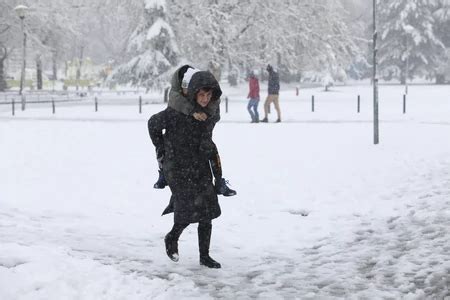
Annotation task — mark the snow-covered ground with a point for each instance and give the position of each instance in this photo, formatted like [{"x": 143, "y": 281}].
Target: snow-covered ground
[{"x": 321, "y": 212}]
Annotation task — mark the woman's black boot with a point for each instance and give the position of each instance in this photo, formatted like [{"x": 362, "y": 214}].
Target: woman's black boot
[
  {"x": 171, "y": 241},
  {"x": 204, "y": 238}
]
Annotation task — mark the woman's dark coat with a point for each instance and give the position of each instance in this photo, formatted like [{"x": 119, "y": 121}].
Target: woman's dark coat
[{"x": 185, "y": 146}]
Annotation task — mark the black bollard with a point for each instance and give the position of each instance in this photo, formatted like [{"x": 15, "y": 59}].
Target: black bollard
[
  {"x": 404, "y": 103},
  {"x": 359, "y": 103},
  {"x": 23, "y": 102},
  {"x": 96, "y": 104},
  {"x": 53, "y": 105},
  {"x": 226, "y": 104},
  {"x": 140, "y": 104},
  {"x": 312, "y": 103},
  {"x": 13, "y": 106}
]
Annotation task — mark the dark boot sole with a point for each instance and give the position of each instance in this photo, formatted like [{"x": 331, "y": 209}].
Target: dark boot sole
[
  {"x": 229, "y": 195},
  {"x": 159, "y": 187},
  {"x": 211, "y": 266}
]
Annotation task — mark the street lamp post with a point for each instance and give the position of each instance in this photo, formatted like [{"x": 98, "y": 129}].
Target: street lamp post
[
  {"x": 375, "y": 79},
  {"x": 21, "y": 10}
]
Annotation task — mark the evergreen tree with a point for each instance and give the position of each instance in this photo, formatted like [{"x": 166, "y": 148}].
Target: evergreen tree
[
  {"x": 359, "y": 20},
  {"x": 441, "y": 14},
  {"x": 152, "y": 51},
  {"x": 408, "y": 44}
]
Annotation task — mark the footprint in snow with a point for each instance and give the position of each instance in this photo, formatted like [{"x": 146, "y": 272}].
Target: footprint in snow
[{"x": 300, "y": 212}]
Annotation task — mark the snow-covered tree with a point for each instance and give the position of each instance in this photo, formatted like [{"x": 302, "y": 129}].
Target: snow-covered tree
[
  {"x": 4, "y": 52},
  {"x": 50, "y": 31},
  {"x": 9, "y": 33},
  {"x": 152, "y": 50},
  {"x": 409, "y": 45},
  {"x": 325, "y": 41},
  {"x": 441, "y": 13},
  {"x": 110, "y": 24},
  {"x": 241, "y": 35},
  {"x": 359, "y": 20},
  {"x": 208, "y": 30}
]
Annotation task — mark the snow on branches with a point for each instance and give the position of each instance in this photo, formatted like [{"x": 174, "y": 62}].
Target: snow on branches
[{"x": 152, "y": 50}]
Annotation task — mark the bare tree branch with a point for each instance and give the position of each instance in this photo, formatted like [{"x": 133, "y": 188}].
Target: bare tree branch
[{"x": 5, "y": 28}]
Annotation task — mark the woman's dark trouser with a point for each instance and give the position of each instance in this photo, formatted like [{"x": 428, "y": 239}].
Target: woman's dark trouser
[
  {"x": 176, "y": 231},
  {"x": 204, "y": 235}
]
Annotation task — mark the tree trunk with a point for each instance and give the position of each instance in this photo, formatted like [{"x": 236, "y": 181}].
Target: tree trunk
[
  {"x": 39, "y": 72},
  {"x": 78, "y": 75},
  {"x": 232, "y": 74},
  {"x": 80, "y": 63},
  {"x": 403, "y": 73},
  {"x": 2, "y": 76},
  {"x": 54, "y": 65}
]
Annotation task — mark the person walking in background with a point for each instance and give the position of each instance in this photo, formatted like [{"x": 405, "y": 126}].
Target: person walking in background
[
  {"x": 273, "y": 91},
  {"x": 253, "y": 96}
]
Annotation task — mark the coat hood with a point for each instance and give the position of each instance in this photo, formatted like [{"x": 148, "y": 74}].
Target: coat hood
[
  {"x": 198, "y": 79},
  {"x": 203, "y": 79},
  {"x": 177, "y": 78}
]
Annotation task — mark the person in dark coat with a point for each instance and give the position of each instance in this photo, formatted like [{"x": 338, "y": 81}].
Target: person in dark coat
[
  {"x": 185, "y": 144},
  {"x": 273, "y": 94},
  {"x": 179, "y": 102}
]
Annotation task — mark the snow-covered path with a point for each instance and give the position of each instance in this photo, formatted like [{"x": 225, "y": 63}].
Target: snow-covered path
[
  {"x": 79, "y": 219},
  {"x": 388, "y": 258}
]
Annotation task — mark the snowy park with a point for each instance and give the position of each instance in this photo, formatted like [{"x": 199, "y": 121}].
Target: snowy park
[
  {"x": 321, "y": 212},
  {"x": 224, "y": 149}
]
